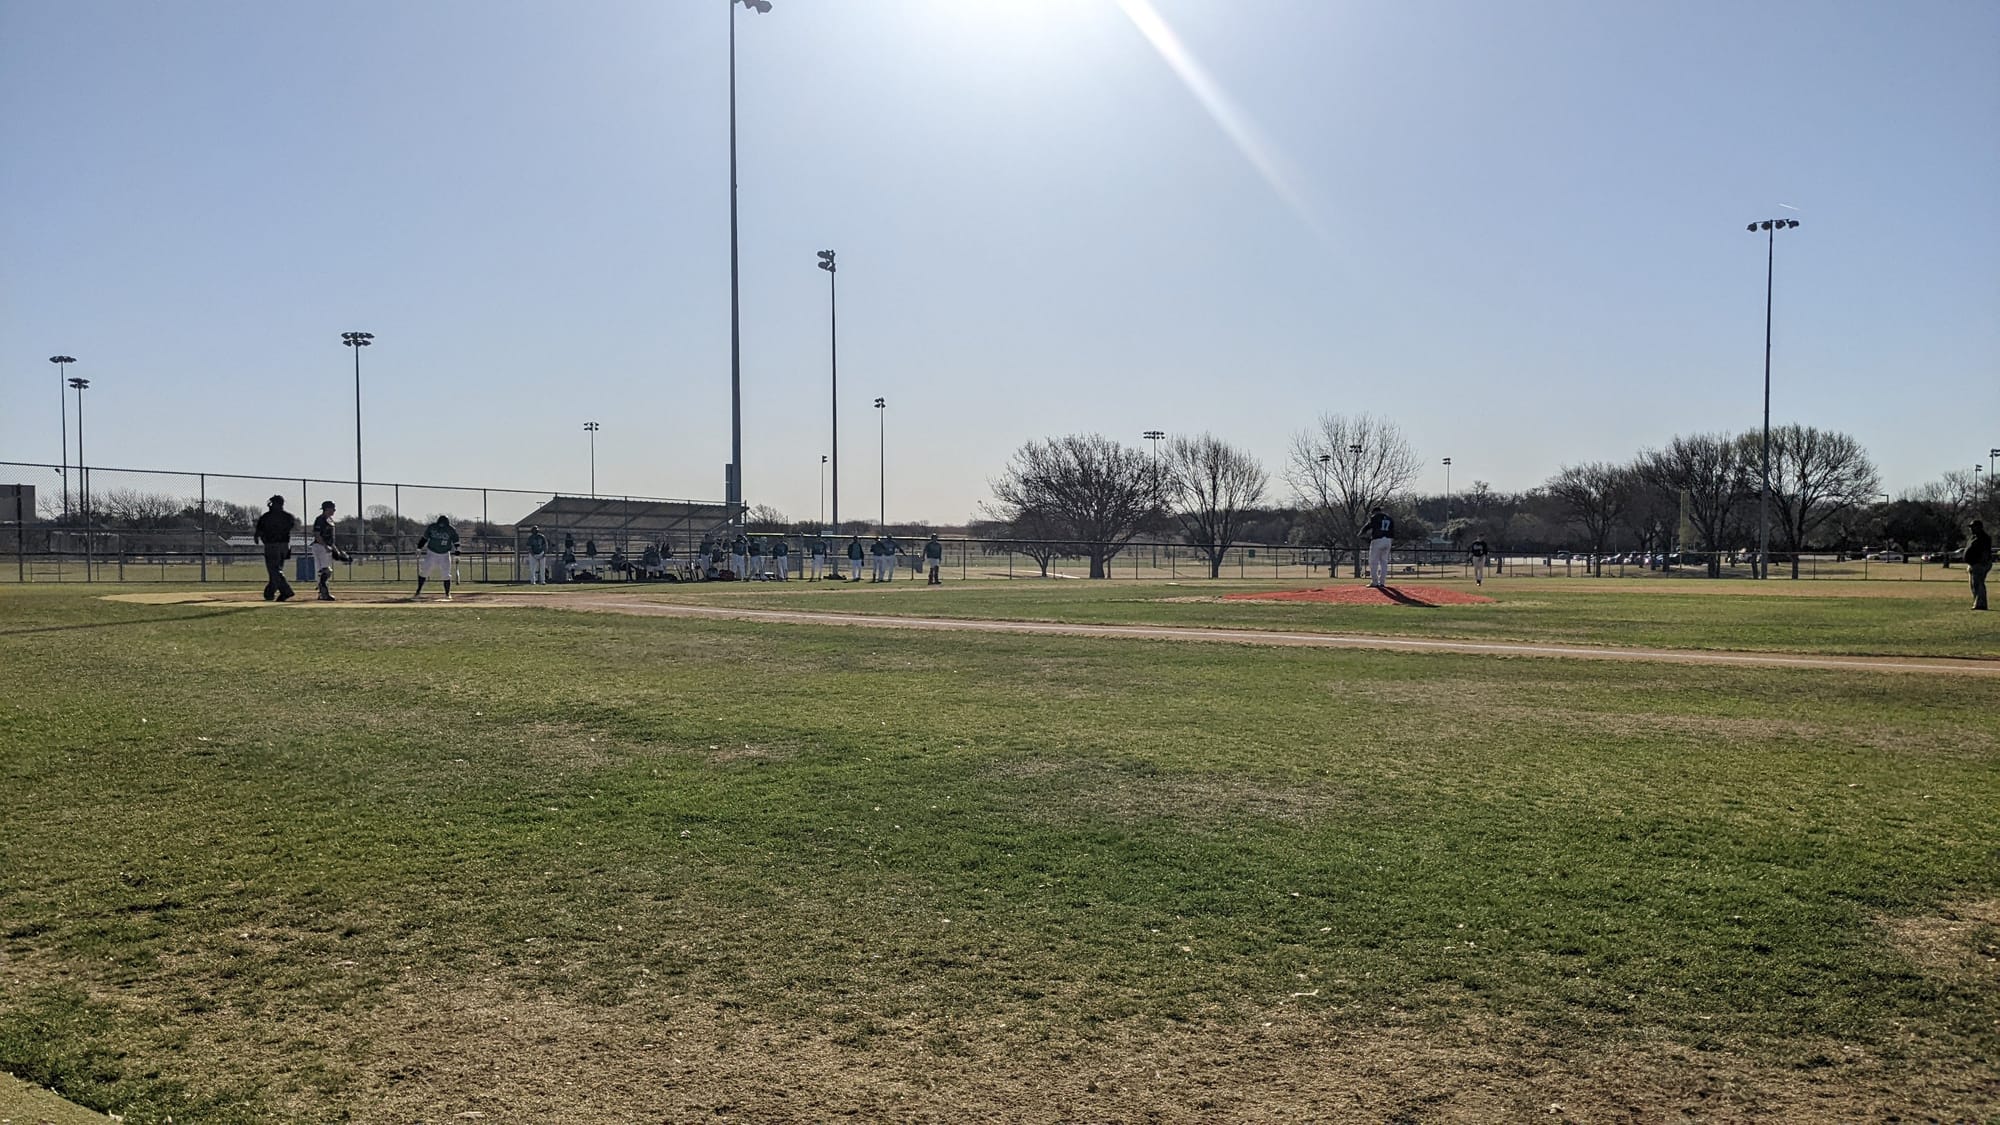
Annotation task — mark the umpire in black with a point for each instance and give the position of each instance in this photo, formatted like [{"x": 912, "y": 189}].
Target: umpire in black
[{"x": 274, "y": 531}]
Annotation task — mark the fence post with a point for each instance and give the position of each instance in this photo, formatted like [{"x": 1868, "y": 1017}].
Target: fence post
[
  {"x": 398, "y": 537},
  {"x": 484, "y": 548},
  {"x": 204, "y": 527}
]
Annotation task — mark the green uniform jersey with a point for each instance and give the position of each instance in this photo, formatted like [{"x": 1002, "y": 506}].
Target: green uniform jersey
[
  {"x": 854, "y": 549},
  {"x": 537, "y": 545},
  {"x": 439, "y": 539},
  {"x": 934, "y": 550}
]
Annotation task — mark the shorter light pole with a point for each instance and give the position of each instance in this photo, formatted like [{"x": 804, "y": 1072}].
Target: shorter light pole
[
  {"x": 822, "y": 493},
  {"x": 882, "y": 469},
  {"x": 1991, "y": 455},
  {"x": 62, "y": 363},
  {"x": 826, "y": 263},
  {"x": 592, "y": 428},
  {"x": 1447, "y": 496},
  {"x": 357, "y": 341},
  {"x": 82, "y": 474}
]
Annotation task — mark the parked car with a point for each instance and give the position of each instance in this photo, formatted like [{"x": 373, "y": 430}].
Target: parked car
[{"x": 1887, "y": 556}]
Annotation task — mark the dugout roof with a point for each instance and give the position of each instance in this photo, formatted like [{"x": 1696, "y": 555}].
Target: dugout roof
[{"x": 638, "y": 518}]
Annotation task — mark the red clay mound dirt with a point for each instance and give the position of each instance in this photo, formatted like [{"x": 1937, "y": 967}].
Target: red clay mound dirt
[{"x": 1368, "y": 595}]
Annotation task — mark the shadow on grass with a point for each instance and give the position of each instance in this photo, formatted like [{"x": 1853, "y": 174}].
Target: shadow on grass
[{"x": 121, "y": 624}]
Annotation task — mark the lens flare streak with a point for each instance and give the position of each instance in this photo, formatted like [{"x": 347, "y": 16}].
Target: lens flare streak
[{"x": 1234, "y": 122}]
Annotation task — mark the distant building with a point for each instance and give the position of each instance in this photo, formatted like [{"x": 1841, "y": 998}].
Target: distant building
[{"x": 17, "y": 503}]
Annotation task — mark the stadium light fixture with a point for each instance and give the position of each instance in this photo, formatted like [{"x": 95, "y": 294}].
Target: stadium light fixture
[
  {"x": 826, "y": 263},
  {"x": 357, "y": 341},
  {"x": 62, "y": 363},
  {"x": 1770, "y": 227},
  {"x": 735, "y": 498}
]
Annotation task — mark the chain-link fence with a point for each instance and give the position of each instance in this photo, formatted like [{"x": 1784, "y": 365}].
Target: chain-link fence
[{"x": 142, "y": 525}]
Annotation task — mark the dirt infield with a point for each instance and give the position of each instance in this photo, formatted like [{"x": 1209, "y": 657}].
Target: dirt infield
[
  {"x": 597, "y": 602},
  {"x": 1926, "y": 664},
  {"x": 1421, "y": 596}
]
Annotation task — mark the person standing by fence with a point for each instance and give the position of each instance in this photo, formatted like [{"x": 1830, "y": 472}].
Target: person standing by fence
[
  {"x": 538, "y": 556},
  {"x": 1479, "y": 561},
  {"x": 854, "y": 557},
  {"x": 781, "y": 558},
  {"x": 816, "y": 553},
  {"x": 1979, "y": 561},
  {"x": 274, "y": 531},
  {"x": 1381, "y": 537},
  {"x": 933, "y": 559}
]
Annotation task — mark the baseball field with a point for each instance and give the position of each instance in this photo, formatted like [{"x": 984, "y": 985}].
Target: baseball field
[{"x": 575, "y": 856}]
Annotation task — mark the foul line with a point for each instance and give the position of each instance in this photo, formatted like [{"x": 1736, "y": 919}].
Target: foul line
[{"x": 1308, "y": 640}]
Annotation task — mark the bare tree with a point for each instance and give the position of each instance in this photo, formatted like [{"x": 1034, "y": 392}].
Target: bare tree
[
  {"x": 137, "y": 509},
  {"x": 1341, "y": 469},
  {"x": 1212, "y": 486},
  {"x": 1085, "y": 489},
  {"x": 1032, "y": 535},
  {"x": 1816, "y": 475},
  {"x": 1650, "y": 511},
  {"x": 1595, "y": 494},
  {"x": 1948, "y": 502},
  {"x": 1712, "y": 471}
]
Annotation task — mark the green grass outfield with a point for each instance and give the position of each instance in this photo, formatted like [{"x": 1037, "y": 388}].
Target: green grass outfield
[
  {"x": 304, "y": 863},
  {"x": 1859, "y": 618}
]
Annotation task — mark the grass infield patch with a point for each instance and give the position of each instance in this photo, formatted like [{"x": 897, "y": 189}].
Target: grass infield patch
[{"x": 307, "y": 866}]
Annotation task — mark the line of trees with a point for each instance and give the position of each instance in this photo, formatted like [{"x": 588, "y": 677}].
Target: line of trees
[{"x": 1087, "y": 496}]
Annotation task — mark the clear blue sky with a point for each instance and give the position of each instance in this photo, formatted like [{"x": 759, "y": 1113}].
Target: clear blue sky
[{"x": 1515, "y": 229}]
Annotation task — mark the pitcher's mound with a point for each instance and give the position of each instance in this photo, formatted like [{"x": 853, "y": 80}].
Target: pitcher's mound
[{"x": 1368, "y": 595}]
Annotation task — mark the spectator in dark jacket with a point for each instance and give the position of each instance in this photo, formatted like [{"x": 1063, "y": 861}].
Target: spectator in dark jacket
[{"x": 1979, "y": 560}]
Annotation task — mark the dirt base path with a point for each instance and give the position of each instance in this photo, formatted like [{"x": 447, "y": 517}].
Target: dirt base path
[{"x": 601, "y": 604}]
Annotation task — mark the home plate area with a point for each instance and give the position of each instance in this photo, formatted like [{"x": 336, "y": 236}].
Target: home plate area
[{"x": 1368, "y": 595}]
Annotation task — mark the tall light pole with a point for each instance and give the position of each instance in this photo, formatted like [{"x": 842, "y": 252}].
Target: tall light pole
[
  {"x": 882, "y": 470},
  {"x": 592, "y": 428},
  {"x": 357, "y": 341},
  {"x": 822, "y": 494},
  {"x": 833, "y": 362},
  {"x": 1447, "y": 496},
  {"x": 62, "y": 363},
  {"x": 1770, "y": 227},
  {"x": 735, "y": 497},
  {"x": 1991, "y": 454}
]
